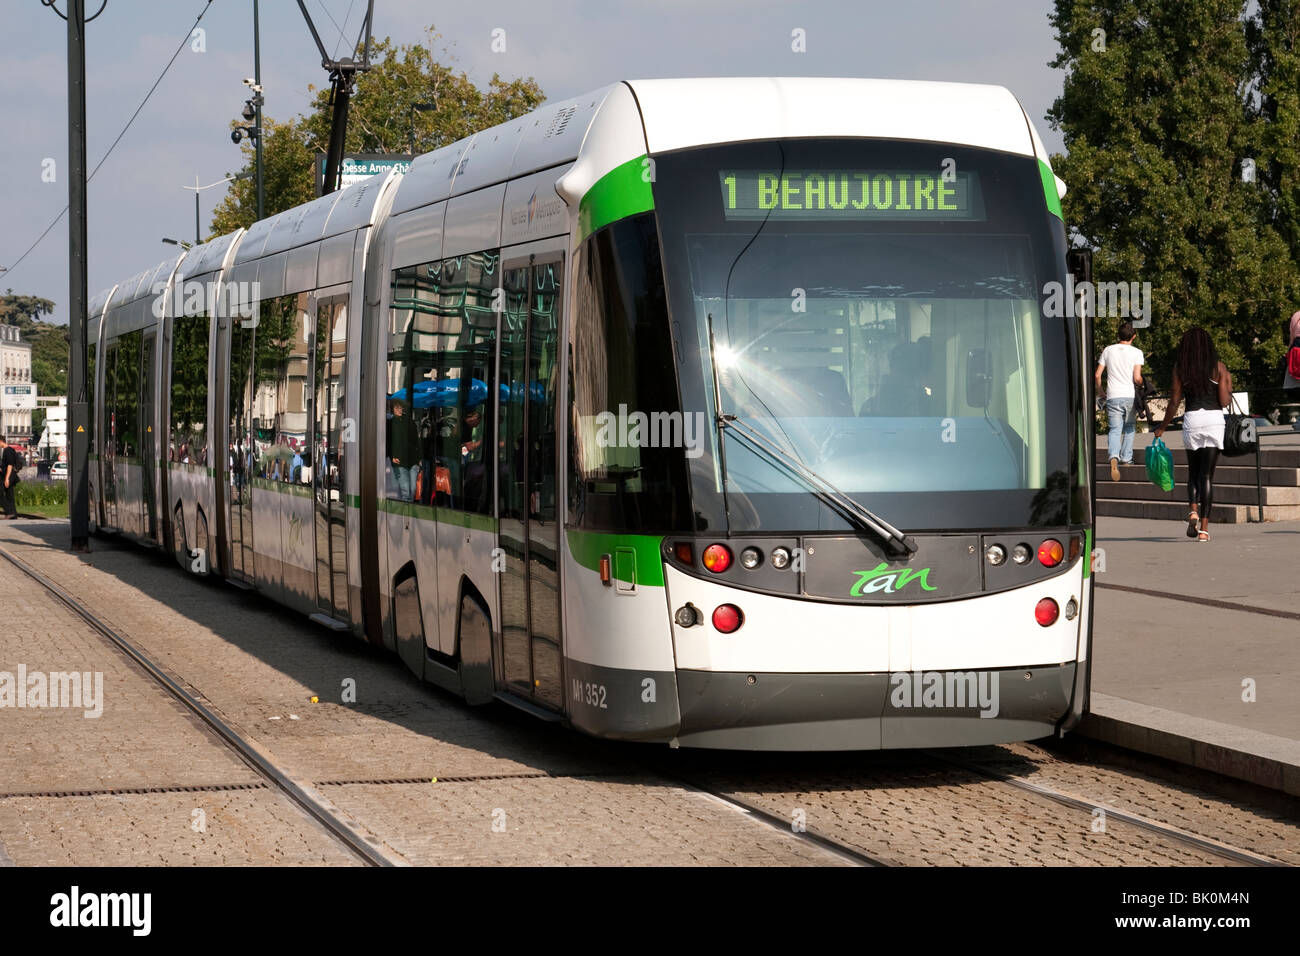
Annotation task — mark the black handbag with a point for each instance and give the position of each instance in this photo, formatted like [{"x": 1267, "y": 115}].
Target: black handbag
[{"x": 1240, "y": 437}]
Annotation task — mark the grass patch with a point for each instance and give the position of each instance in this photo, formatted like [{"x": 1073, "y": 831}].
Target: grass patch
[{"x": 47, "y": 498}]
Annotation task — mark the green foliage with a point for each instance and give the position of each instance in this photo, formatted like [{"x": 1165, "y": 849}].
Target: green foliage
[
  {"x": 380, "y": 120},
  {"x": 23, "y": 311},
  {"x": 49, "y": 342},
  {"x": 1158, "y": 116},
  {"x": 40, "y": 494}
]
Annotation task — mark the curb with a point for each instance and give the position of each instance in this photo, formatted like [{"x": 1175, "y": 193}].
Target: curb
[{"x": 1262, "y": 759}]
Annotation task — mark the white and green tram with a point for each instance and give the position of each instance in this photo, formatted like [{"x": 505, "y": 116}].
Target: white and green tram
[{"x": 723, "y": 413}]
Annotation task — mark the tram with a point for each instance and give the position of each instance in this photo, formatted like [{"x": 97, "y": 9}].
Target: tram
[{"x": 722, "y": 413}]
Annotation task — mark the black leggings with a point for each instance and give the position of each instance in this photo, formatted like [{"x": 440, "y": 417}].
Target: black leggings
[{"x": 1200, "y": 479}]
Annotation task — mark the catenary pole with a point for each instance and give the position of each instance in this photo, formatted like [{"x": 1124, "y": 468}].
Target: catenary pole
[
  {"x": 261, "y": 133},
  {"x": 78, "y": 419}
]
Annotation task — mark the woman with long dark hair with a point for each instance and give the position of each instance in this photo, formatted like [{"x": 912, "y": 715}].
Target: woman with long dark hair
[{"x": 1204, "y": 382}]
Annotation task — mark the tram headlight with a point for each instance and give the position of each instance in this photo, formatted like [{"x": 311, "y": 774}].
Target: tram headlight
[
  {"x": 996, "y": 554},
  {"x": 1046, "y": 612},
  {"x": 727, "y": 618},
  {"x": 751, "y": 558},
  {"x": 717, "y": 558},
  {"x": 1021, "y": 553},
  {"x": 1050, "y": 553},
  {"x": 780, "y": 558}
]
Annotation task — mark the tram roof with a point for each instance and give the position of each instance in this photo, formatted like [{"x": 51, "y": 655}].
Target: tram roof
[
  {"x": 681, "y": 113},
  {"x": 673, "y": 114}
]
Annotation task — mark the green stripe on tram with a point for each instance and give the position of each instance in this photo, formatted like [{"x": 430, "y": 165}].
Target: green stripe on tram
[
  {"x": 442, "y": 515},
  {"x": 1049, "y": 190},
  {"x": 587, "y": 547},
  {"x": 623, "y": 191},
  {"x": 1087, "y": 553}
]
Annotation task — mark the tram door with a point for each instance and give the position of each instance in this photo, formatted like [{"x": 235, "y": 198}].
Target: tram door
[
  {"x": 529, "y": 657},
  {"x": 329, "y": 351},
  {"x": 241, "y": 452},
  {"x": 148, "y": 445}
]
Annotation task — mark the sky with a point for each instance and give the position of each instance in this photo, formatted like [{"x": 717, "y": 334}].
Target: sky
[{"x": 568, "y": 46}]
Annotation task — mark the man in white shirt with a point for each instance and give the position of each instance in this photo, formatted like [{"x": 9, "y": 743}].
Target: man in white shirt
[{"x": 1122, "y": 364}]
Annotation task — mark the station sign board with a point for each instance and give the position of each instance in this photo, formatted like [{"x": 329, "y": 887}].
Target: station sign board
[
  {"x": 359, "y": 166},
  {"x": 18, "y": 396}
]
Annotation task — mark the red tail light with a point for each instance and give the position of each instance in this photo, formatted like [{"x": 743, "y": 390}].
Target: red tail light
[
  {"x": 1045, "y": 613},
  {"x": 1050, "y": 553},
  {"x": 717, "y": 558},
  {"x": 727, "y": 618},
  {"x": 684, "y": 552}
]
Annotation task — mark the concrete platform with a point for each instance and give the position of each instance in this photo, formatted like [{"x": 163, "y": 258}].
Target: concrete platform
[{"x": 1183, "y": 630}]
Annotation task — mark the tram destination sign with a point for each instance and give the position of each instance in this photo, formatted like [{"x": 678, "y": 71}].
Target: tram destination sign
[{"x": 851, "y": 194}]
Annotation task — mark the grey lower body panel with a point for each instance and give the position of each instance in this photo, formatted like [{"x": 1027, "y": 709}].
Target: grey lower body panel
[
  {"x": 871, "y": 711},
  {"x": 875, "y": 711},
  {"x": 621, "y": 704}
]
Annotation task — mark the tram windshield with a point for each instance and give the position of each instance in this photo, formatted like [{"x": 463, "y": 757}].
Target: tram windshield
[{"x": 872, "y": 310}]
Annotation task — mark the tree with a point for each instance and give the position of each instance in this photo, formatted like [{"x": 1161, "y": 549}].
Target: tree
[
  {"x": 1157, "y": 119},
  {"x": 380, "y": 121},
  {"x": 286, "y": 179},
  {"x": 23, "y": 310}
]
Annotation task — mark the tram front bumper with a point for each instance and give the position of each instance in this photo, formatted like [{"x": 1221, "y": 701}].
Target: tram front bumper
[{"x": 758, "y": 711}]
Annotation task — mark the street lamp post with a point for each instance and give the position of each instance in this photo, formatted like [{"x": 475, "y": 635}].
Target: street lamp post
[{"x": 198, "y": 238}]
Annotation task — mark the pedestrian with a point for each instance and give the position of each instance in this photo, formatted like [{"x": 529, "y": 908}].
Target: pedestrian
[
  {"x": 1122, "y": 364},
  {"x": 9, "y": 466},
  {"x": 1206, "y": 385},
  {"x": 1291, "y": 364}
]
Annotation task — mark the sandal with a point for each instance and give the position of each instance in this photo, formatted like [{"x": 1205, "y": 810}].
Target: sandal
[
  {"x": 1193, "y": 520},
  {"x": 1203, "y": 536}
]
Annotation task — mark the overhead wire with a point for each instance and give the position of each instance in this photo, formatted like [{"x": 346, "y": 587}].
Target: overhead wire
[{"x": 189, "y": 33}]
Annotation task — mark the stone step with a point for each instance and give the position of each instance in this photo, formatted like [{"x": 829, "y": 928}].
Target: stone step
[
  {"x": 1224, "y": 474},
  {"x": 1177, "y": 511},
  {"x": 1287, "y": 457},
  {"x": 1223, "y": 493}
]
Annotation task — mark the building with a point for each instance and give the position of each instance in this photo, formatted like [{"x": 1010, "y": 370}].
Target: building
[
  {"x": 53, "y": 443},
  {"x": 18, "y": 397}
]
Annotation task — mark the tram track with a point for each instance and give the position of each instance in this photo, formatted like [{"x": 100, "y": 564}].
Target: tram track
[
  {"x": 246, "y": 751},
  {"x": 1202, "y": 844}
]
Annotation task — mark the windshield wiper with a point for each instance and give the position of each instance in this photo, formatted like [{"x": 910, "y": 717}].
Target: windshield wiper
[{"x": 898, "y": 542}]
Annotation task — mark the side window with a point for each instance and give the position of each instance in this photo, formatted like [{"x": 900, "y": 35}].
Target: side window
[
  {"x": 274, "y": 342},
  {"x": 441, "y": 346},
  {"x": 128, "y": 394},
  {"x": 90, "y": 399},
  {"x": 189, "y": 392},
  {"x": 240, "y": 454},
  {"x": 628, "y": 436},
  {"x": 110, "y": 400},
  {"x": 292, "y": 455}
]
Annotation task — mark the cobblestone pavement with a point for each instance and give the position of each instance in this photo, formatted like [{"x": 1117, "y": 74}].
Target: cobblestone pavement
[{"x": 509, "y": 789}]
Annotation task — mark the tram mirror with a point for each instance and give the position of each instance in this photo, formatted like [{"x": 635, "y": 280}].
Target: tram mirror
[{"x": 979, "y": 378}]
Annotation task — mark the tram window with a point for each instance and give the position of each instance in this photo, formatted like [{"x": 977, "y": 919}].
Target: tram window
[
  {"x": 280, "y": 352},
  {"x": 90, "y": 398},
  {"x": 110, "y": 400},
  {"x": 441, "y": 353},
  {"x": 240, "y": 454},
  {"x": 331, "y": 353},
  {"x": 622, "y": 364},
  {"x": 189, "y": 396},
  {"x": 128, "y": 394}
]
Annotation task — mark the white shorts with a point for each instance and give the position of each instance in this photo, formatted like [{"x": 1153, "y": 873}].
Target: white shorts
[{"x": 1203, "y": 428}]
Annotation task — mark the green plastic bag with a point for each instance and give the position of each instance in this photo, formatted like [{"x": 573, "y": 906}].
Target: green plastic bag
[{"x": 1160, "y": 465}]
